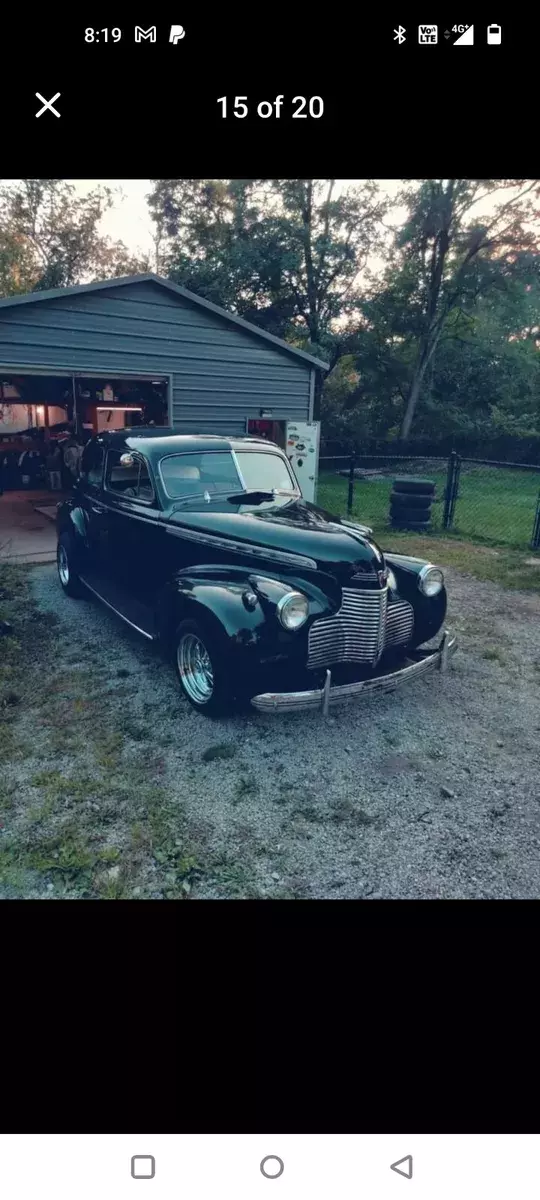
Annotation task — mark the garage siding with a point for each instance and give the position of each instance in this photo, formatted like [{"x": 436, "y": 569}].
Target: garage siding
[{"x": 220, "y": 372}]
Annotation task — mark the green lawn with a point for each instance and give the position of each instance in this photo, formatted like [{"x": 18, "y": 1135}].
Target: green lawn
[{"x": 495, "y": 505}]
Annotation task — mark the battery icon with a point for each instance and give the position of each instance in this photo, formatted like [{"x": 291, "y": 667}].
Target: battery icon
[{"x": 494, "y": 35}]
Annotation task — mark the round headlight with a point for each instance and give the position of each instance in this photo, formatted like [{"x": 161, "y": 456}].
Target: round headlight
[
  {"x": 292, "y": 610},
  {"x": 430, "y": 580}
]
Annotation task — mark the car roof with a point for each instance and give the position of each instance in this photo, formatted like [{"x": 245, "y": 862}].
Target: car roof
[{"x": 154, "y": 442}]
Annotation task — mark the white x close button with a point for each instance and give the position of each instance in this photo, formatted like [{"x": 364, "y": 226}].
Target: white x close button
[{"x": 47, "y": 104}]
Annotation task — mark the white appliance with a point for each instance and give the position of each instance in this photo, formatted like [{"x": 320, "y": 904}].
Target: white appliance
[
  {"x": 299, "y": 440},
  {"x": 302, "y": 450}
]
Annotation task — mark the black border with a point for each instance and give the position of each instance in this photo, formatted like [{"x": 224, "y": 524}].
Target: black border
[
  {"x": 269, "y": 1017},
  {"x": 147, "y": 111}
]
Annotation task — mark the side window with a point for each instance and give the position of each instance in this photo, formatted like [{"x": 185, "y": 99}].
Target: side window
[
  {"x": 92, "y": 463},
  {"x": 130, "y": 479}
]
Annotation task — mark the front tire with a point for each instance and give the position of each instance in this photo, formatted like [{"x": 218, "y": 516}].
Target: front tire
[
  {"x": 202, "y": 671},
  {"x": 65, "y": 555}
]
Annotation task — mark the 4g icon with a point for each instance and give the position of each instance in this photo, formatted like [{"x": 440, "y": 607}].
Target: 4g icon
[{"x": 273, "y": 108}]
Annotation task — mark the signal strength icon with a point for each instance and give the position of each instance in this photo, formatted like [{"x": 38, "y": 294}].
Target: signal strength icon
[{"x": 467, "y": 38}]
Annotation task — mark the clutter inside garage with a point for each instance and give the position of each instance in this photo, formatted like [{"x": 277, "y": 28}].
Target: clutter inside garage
[{"x": 46, "y": 420}]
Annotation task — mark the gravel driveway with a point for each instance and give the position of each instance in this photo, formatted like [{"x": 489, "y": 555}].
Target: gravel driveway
[{"x": 432, "y": 791}]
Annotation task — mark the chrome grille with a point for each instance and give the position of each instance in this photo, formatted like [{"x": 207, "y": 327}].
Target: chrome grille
[
  {"x": 361, "y": 629},
  {"x": 399, "y": 623}
]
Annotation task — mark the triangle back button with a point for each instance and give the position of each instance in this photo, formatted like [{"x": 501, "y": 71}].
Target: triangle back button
[{"x": 403, "y": 1166}]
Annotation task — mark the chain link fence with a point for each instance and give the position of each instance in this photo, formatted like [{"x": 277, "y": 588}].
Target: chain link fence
[{"x": 494, "y": 502}]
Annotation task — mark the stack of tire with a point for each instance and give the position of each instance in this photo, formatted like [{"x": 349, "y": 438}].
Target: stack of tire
[{"x": 410, "y": 503}]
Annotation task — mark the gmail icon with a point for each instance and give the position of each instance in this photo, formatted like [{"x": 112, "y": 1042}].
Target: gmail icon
[{"x": 145, "y": 35}]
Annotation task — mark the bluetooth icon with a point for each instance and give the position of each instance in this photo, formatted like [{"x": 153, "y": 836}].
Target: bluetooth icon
[{"x": 399, "y": 35}]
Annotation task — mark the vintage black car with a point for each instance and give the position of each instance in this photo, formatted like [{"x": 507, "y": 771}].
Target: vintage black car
[{"x": 206, "y": 545}]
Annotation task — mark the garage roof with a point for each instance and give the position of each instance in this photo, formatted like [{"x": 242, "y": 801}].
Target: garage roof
[{"x": 59, "y": 293}]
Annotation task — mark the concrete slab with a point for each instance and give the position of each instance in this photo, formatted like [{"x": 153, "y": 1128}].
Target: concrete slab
[{"x": 27, "y": 536}]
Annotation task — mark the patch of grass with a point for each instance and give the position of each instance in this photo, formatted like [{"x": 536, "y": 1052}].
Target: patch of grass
[
  {"x": 62, "y": 740},
  {"x": 110, "y": 854},
  {"x": 58, "y": 787},
  {"x": 7, "y": 739},
  {"x": 109, "y": 748},
  {"x": 245, "y": 786},
  {"x": 236, "y": 880},
  {"x": 221, "y": 750},
  {"x": 308, "y": 811},
  {"x": 493, "y": 527},
  {"x": 8, "y": 792},
  {"x": 493, "y": 654},
  {"x": 342, "y": 810},
  {"x": 131, "y": 730},
  {"x": 66, "y": 854}
]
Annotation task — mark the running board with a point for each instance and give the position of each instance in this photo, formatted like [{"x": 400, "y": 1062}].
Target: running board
[{"x": 133, "y": 612}]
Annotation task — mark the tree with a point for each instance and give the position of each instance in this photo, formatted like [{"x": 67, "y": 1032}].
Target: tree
[
  {"x": 49, "y": 237},
  {"x": 444, "y": 257},
  {"x": 483, "y": 382},
  {"x": 285, "y": 254}
]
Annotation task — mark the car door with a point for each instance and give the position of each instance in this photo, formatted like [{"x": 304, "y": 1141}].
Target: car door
[
  {"x": 135, "y": 531},
  {"x": 89, "y": 492}
]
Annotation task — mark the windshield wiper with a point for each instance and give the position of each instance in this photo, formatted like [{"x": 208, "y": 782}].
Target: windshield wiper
[{"x": 250, "y": 497}]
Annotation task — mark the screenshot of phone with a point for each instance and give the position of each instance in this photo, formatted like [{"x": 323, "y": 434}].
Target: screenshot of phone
[{"x": 269, "y": 605}]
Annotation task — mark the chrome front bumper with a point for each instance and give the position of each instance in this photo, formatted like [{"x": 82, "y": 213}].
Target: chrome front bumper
[{"x": 425, "y": 660}]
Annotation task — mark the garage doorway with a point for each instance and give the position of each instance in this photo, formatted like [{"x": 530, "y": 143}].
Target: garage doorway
[{"x": 45, "y": 419}]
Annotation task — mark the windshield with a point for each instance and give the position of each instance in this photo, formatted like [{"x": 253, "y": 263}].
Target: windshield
[
  {"x": 214, "y": 471},
  {"x": 262, "y": 472},
  {"x": 186, "y": 475}
]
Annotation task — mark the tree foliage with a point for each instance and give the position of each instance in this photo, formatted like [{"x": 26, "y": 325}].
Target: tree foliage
[
  {"x": 445, "y": 257},
  {"x": 50, "y": 237},
  {"x": 285, "y": 254}
]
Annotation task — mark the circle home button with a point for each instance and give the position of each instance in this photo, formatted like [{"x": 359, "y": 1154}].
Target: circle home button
[{"x": 272, "y": 1166}]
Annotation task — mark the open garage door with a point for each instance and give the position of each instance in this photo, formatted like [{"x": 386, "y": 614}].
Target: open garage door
[{"x": 43, "y": 416}]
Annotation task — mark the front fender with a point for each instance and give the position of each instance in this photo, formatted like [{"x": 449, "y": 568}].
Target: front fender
[
  {"x": 219, "y": 595},
  {"x": 429, "y": 611}
]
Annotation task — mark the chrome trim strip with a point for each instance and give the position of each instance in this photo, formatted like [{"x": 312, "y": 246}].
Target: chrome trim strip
[
  {"x": 271, "y": 702},
  {"x": 126, "y": 512},
  {"x": 236, "y": 463},
  {"x": 208, "y": 539},
  {"x": 117, "y": 610}
]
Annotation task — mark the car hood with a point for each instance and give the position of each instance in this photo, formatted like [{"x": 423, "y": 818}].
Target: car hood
[{"x": 296, "y": 527}]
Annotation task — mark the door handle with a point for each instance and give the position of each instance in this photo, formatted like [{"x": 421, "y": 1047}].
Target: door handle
[{"x": 97, "y": 508}]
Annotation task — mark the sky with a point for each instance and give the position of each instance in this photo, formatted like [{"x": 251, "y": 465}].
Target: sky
[{"x": 129, "y": 220}]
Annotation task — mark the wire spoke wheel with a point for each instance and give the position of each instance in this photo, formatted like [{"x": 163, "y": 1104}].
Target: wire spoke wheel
[{"x": 195, "y": 668}]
